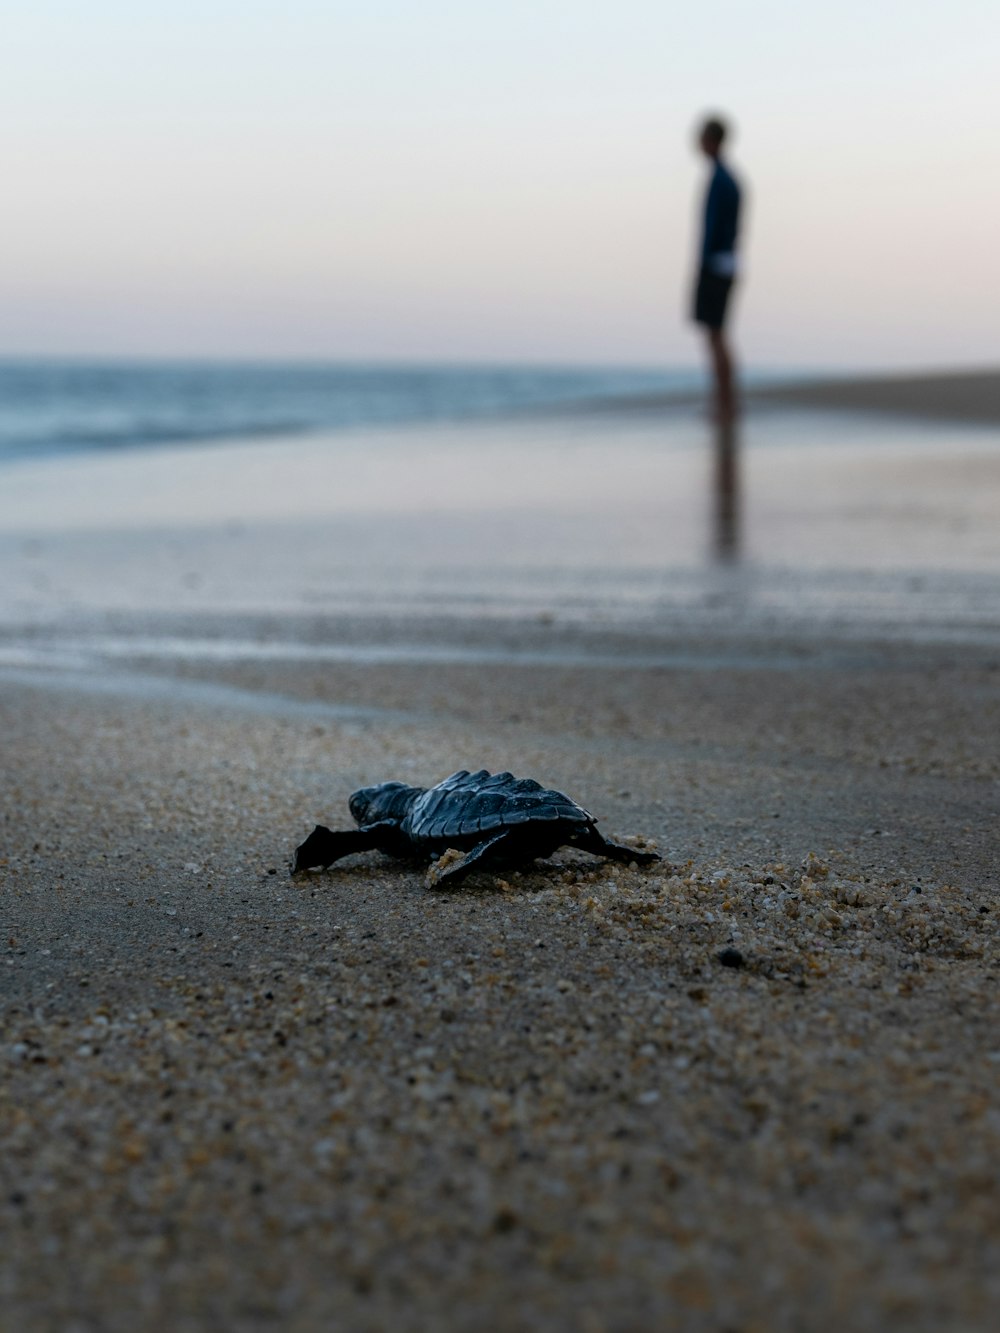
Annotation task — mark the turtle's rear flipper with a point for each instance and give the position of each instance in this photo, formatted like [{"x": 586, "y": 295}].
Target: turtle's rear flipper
[
  {"x": 484, "y": 856},
  {"x": 324, "y": 846},
  {"x": 599, "y": 845}
]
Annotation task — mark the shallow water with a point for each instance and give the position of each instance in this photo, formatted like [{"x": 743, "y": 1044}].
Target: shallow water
[
  {"x": 60, "y": 407},
  {"x": 847, "y": 524}
]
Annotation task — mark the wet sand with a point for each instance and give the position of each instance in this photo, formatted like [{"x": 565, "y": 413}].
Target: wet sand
[
  {"x": 750, "y": 1088},
  {"x": 233, "y": 1100}
]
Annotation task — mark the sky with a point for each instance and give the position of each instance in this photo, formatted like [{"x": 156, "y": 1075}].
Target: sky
[{"x": 453, "y": 180}]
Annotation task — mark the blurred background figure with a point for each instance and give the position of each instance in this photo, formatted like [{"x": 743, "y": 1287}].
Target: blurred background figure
[{"x": 717, "y": 264}]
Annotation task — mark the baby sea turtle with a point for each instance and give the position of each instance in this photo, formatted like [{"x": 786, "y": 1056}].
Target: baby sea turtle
[{"x": 496, "y": 819}]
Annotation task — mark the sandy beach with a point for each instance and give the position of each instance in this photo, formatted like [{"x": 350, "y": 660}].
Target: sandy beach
[
  {"x": 752, "y": 1087},
  {"x": 972, "y": 396}
]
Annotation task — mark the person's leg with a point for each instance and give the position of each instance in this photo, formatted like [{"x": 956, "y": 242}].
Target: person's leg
[{"x": 722, "y": 365}]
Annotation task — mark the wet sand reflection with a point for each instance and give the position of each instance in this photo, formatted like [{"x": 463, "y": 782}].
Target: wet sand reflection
[{"x": 726, "y": 498}]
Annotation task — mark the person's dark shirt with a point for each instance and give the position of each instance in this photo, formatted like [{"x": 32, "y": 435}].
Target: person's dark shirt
[{"x": 722, "y": 217}]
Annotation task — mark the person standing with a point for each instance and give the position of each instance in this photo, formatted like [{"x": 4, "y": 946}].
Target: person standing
[{"x": 717, "y": 266}]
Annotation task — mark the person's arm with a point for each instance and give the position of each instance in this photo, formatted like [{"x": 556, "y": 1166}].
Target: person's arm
[{"x": 711, "y": 214}]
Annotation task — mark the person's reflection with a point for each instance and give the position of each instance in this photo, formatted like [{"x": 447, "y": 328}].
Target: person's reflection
[{"x": 726, "y": 492}]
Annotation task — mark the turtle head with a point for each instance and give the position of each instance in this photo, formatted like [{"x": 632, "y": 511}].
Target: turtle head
[{"x": 387, "y": 801}]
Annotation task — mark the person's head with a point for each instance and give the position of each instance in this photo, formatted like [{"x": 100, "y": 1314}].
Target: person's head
[{"x": 712, "y": 135}]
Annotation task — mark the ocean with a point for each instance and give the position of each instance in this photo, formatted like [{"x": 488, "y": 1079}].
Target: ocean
[{"x": 53, "y": 407}]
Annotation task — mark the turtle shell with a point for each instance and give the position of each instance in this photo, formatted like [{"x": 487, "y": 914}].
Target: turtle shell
[{"x": 467, "y": 805}]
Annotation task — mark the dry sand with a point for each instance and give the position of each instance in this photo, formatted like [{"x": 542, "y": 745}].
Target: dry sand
[
  {"x": 233, "y": 1101},
  {"x": 970, "y": 396}
]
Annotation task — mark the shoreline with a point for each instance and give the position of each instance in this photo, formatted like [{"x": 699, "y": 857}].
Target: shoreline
[
  {"x": 617, "y": 523},
  {"x": 958, "y": 396}
]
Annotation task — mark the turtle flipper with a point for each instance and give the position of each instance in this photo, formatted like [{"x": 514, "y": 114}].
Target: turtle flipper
[
  {"x": 598, "y": 845},
  {"x": 324, "y": 846},
  {"x": 480, "y": 857}
]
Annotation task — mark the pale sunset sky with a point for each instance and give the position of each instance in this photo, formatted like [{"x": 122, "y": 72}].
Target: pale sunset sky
[{"x": 429, "y": 180}]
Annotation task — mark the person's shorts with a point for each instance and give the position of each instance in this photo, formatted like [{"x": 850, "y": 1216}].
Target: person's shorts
[{"x": 711, "y": 298}]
